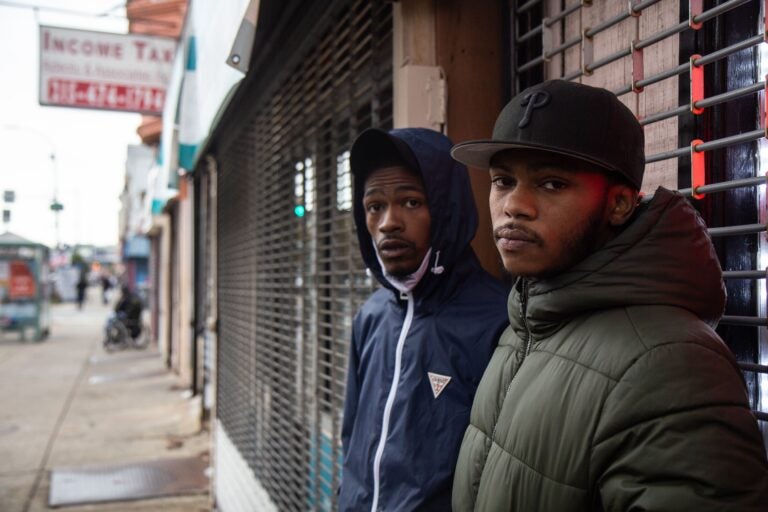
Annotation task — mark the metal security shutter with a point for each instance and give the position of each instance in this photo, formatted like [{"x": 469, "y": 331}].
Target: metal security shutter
[
  {"x": 693, "y": 73},
  {"x": 172, "y": 305},
  {"x": 204, "y": 275},
  {"x": 289, "y": 270}
]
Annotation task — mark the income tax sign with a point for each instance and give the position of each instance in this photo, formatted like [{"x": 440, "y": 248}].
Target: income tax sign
[{"x": 85, "y": 69}]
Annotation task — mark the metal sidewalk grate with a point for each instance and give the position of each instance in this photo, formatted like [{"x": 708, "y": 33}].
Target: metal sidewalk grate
[{"x": 150, "y": 479}]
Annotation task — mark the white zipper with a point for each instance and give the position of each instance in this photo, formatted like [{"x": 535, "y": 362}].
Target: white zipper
[{"x": 390, "y": 401}]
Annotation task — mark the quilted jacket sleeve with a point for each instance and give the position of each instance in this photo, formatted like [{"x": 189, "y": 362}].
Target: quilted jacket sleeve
[{"x": 676, "y": 434}]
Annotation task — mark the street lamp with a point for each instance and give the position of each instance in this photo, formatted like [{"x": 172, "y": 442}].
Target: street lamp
[{"x": 56, "y": 206}]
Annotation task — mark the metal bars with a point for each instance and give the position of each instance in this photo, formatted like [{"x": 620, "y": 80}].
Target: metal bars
[
  {"x": 731, "y": 230},
  {"x": 718, "y": 10},
  {"x": 744, "y": 320},
  {"x": 670, "y": 32},
  {"x": 527, "y": 5},
  {"x": 659, "y": 77},
  {"x": 589, "y": 67},
  {"x": 548, "y": 22},
  {"x": 743, "y": 45},
  {"x": 708, "y": 146},
  {"x": 746, "y": 229},
  {"x": 751, "y": 367},
  {"x": 701, "y": 61},
  {"x": 727, "y": 185},
  {"x": 745, "y": 274},
  {"x": 704, "y": 103},
  {"x": 636, "y": 8}
]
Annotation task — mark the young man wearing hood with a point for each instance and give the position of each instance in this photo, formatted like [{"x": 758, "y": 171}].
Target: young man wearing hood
[
  {"x": 421, "y": 342},
  {"x": 610, "y": 390}
]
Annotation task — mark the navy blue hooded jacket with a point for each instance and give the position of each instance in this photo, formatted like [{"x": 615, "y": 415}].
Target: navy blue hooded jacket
[{"x": 447, "y": 326}]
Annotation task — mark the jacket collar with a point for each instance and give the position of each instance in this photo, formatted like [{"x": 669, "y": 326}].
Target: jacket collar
[{"x": 664, "y": 257}]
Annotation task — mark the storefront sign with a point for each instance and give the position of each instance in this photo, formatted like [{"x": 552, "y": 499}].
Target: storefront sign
[{"x": 85, "y": 69}]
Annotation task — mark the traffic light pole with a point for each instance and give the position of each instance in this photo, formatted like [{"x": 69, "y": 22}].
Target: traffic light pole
[{"x": 56, "y": 206}]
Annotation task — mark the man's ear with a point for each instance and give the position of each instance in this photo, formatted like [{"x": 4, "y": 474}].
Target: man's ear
[{"x": 622, "y": 201}]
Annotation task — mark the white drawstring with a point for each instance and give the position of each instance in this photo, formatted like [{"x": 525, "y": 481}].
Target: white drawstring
[
  {"x": 407, "y": 283},
  {"x": 437, "y": 269}
]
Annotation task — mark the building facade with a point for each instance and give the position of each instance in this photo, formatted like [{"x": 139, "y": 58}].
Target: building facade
[{"x": 277, "y": 274}]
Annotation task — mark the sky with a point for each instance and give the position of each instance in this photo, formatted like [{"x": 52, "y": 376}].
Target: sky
[{"x": 88, "y": 172}]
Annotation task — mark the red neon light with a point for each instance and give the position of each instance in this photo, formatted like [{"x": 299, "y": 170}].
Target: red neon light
[
  {"x": 697, "y": 84},
  {"x": 698, "y": 169}
]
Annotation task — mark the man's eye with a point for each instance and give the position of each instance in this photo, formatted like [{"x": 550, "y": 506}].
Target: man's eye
[
  {"x": 413, "y": 203},
  {"x": 554, "y": 185},
  {"x": 373, "y": 208},
  {"x": 502, "y": 181}
]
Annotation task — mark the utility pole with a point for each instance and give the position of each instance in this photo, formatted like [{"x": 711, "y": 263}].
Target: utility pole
[{"x": 56, "y": 206}]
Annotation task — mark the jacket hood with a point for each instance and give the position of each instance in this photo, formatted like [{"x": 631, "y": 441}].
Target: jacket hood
[
  {"x": 664, "y": 257},
  {"x": 449, "y": 197}
]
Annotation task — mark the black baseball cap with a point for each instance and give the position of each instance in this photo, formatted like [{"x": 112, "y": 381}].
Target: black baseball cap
[
  {"x": 577, "y": 120},
  {"x": 376, "y": 149}
]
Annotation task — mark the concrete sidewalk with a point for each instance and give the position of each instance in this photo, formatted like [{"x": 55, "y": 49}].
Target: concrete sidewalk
[{"x": 64, "y": 402}]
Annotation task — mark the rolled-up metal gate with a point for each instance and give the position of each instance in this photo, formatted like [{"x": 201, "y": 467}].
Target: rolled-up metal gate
[{"x": 289, "y": 272}]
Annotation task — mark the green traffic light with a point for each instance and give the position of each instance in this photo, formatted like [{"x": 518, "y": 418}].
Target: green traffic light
[{"x": 299, "y": 210}]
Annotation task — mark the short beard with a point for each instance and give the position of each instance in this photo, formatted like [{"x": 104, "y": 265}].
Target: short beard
[
  {"x": 586, "y": 240},
  {"x": 402, "y": 274}
]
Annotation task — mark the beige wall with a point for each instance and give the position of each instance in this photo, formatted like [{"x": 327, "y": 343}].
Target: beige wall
[
  {"x": 179, "y": 274},
  {"x": 184, "y": 299},
  {"x": 162, "y": 225}
]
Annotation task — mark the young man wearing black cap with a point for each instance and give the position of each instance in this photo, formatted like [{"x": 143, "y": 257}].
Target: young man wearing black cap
[
  {"x": 610, "y": 389},
  {"x": 421, "y": 342}
]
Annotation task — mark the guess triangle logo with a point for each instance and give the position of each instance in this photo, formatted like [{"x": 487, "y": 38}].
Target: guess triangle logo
[{"x": 438, "y": 382}]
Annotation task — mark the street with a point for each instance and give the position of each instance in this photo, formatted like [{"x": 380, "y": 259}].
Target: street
[{"x": 66, "y": 403}]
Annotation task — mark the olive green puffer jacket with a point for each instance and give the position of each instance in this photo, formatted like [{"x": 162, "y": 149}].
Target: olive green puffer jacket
[{"x": 610, "y": 390}]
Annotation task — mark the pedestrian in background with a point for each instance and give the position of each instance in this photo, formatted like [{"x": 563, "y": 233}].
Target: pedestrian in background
[
  {"x": 421, "y": 342},
  {"x": 106, "y": 287},
  {"x": 81, "y": 286},
  {"x": 610, "y": 389}
]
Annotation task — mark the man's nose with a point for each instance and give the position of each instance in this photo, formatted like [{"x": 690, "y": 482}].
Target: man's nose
[
  {"x": 391, "y": 220},
  {"x": 520, "y": 203}
]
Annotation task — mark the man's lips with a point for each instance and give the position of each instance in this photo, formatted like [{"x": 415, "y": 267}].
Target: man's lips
[
  {"x": 514, "y": 238},
  {"x": 393, "y": 248}
]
